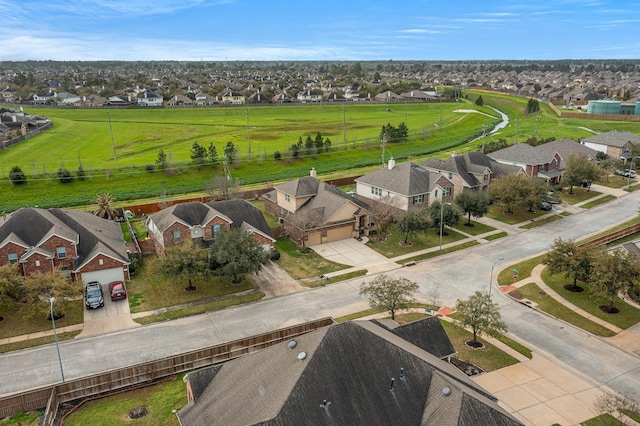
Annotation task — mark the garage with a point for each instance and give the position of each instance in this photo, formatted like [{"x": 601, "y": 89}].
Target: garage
[
  {"x": 104, "y": 276},
  {"x": 337, "y": 234},
  {"x": 313, "y": 238}
]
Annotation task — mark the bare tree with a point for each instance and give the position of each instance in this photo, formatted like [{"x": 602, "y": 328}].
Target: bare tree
[
  {"x": 303, "y": 221},
  {"x": 382, "y": 212},
  {"x": 223, "y": 188},
  {"x": 616, "y": 405}
]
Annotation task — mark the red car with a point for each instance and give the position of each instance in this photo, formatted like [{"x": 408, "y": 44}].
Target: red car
[{"x": 117, "y": 290}]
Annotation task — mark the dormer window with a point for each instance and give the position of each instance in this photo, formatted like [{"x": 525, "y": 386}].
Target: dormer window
[{"x": 61, "y": 252}]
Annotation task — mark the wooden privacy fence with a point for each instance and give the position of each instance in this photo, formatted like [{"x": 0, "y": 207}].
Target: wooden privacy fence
[
  {"x": 613, "y": 236},
  {"x": 53, "y": 395}
]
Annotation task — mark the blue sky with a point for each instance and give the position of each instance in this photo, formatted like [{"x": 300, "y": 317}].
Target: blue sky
[{"x": 217, "y": 30}]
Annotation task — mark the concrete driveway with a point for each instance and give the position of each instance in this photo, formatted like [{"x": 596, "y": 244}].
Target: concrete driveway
[
  {"x": 113, "y": 316},
  {"x": 274, "y": 281},
  {"x": 355, "y": 253}
]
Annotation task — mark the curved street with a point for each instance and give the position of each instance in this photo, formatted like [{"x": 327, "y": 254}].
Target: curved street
[{"x": 456, "y": 274}]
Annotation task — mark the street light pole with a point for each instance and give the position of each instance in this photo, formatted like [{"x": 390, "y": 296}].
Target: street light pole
[
  {"x": 53, "y": 322},
  {"x": 441, "y": 217},
  {"x": 491, "y": 275}
]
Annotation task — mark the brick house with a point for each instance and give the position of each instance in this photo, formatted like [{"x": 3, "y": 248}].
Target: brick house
[
  {"x": 79, "y": 244},
  {"x": 534, "y": 161},
  {"x": 315, "y": 212},
  {"x": 615, "y": 144},
  {"x": 473, "y": 170},
  {"x": 202, "y": 222}
]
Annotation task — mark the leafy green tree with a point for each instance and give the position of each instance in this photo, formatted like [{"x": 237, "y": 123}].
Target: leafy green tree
[
  {"x": 532, "y": 106},
  {"x": 481, "y": 314},
  {"x": 327, "y": 144},
  {"x": 17, "y": 176},
  {"x": 472, "y": 203},
  {"x": 579, "y": 169},
  {"x": 161, "y": 161},
  {"x": 390, "y": 294},
  {"x": 11, "y": 286},
  {"x": 237, "y": 253},
  {"x": 187, "y": 261},
  {"x": 571, "y": 260},
  {"x": 104, "y": 206},
  {"x": 40, "y": 288},
  {"x": 506, "y": 190},
  {"x": 450, "y": 214},
  {"x": 212, "y": 154},
  {"x": 414, "y": 221},
  {"x": 615, "y": 273},
  {"x": 480, "y": 101},
  {"x": 198, "y": 153},
  {"x": 64, "y": 175},
  {"x": 319, "y": 143},
  {"x": 532, "y": 192},
  {"x": 309, "y": 145},
  {"x": 230, "y": 151},
  {"x": 80, "y": 173}
]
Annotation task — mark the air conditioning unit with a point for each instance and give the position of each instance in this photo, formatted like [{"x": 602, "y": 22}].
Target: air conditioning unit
[{"x": 280, "y": 220}]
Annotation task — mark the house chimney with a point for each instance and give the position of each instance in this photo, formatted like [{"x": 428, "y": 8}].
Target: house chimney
[
  {"x": 392, "y": 163},
  {"x": 313, "y": 172}
]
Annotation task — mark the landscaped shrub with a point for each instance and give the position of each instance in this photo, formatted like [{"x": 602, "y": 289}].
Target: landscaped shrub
[
  {"x": 17, "y": 176},
  {"x": 150, "y": 168},
  {"x": 275, "y": 254},
  {"x": 64, "y": 175}
]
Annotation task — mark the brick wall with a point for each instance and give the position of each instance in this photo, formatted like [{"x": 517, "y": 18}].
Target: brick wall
[
  {"x": 31, "y": 266},
  {"x": 107, "y": 263}
]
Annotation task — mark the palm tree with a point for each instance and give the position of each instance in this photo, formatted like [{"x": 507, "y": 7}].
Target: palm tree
[{"x": 105, "y": 207}]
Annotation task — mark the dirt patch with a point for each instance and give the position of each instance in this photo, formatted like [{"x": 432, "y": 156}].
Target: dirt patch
[
  {"x": 466, "y": 367},
  {"x": 137, "y": 413}
]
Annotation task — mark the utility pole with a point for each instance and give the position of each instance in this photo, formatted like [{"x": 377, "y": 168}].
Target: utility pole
[
  {"x": 113, "y": 145},
  {"x": 344, "y": 127},
  {"x": 248, "y": 134},
  {"x": 515, "y": 138},
  {"x": 484, "y": 134},
  {"x": 537, "y": 119}
]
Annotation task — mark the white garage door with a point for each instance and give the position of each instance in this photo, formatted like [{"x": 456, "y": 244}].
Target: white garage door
[{"x": 104, "y": 276}]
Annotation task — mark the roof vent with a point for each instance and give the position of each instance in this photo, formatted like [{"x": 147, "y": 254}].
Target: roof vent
[
  {"x": 392, "y": 163},
  {"x": 292, "y": 344},
  {"x": 391, "y": 385},
  {"x": 446, "y": 391},
  {"x": 302, "y": 355}
]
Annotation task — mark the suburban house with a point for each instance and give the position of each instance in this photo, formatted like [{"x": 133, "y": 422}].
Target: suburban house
[
  {"x": 535, "y": 162},
  {"x": 568, "y": 147},
  {"x": 82, "y": 245},
  {"x": 179, "y": 100},
  {"x": 309, "y": 95},
  {"x": 150, "y": 99},
  {"x": 405, "y": 186},
  {"x": 473, "y": 170},
  {"x": 205, "y": 99},
  {"x": 232, "y": 97},
  {"x": 615, "y": 144},
  {"x": 282, "y": 98},
  {"x": 315, "y": 212},
  {"x": 258, "y": 98},
  {"x": 350, "y": 373},
  {"x": 199, "y": 221},
  {"x": 388, "y": 96}
]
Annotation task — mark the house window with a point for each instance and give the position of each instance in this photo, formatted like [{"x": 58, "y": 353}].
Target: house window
[
  {"x": 65, "y": 272},
  {"x": 176, "y": 236},
  {"x": 418, "y": 199},
  {"x": 215, "y": 230},
  {"x": 61, "y": 252},
  {"x": 282, "y": 210},
  {"x": 287, "y": 198},
  {"x": 13, "y": 258},
  {"x": 37, "y": 263},
  {"x": 446, "y": 192},
  {"x": 450, "y": 175},
  {"x": 376, "y": 191},
  {"x": 100, "y": 262}
]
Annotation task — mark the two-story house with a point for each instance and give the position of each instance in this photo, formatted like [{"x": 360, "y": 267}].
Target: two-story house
[
  {"x": 316, "y": 212},
  {"x": 232, "y": 97},
  {"x": 473, "y": 170},
  {"x": 79, "y": 244},
  {"x": 203, "y": 222},
  {"x": 615, "y": 144},
  {"x": 309, "y": 95},
  {"x": 405, "y": 186},
  {"x": 150, "y": 99}
]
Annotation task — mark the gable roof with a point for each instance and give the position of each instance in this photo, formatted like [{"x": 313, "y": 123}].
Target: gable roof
[
  {"x": 469, "y": 165},
  {"x": 243, "y": 215},
  {"x": 523, "y": 153},
  {"x": 613, "y": 138},
  {"x": 190, "y": 214},
  {"x": 407, "y": 179},
  {"x": 567, "y": 147},
  {"x": 350, "y": 366},
  {"x": 93, "y": 235}
]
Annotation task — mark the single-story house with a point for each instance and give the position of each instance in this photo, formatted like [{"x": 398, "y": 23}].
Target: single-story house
[
  {"x": 315, "y": 212},
  {"x": 405, "y": 186},
  {"x": 351, "y": 373},
  {"x": 82, "y": 245},
  {"x": 203, "y": 221}
]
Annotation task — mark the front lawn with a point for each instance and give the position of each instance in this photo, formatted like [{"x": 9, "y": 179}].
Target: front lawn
[
  {"x": 543, "y": 221},
  {"x": 17, "y": 321},
  {"x": 519, "y": 214},
  {"x": 151, "y": 289},
  {"x": 590, "y": 301},
  {"x": 476, "y": 228},
  {"x": 393, "y": 246},
  {"x": 524, "y": 270},
  {"x": 598, "y": 201},
  {"x": 579, "y": 195},
  {"x": 551, "y": 306},
  {"x": 303, "y": 265}
]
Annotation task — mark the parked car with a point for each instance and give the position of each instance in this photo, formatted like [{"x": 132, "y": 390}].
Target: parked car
[
  {"x": 545, "y": 206},
  {"x": 93, "y": 296},
  {"x": 552, "y": 198},
  {"x": 626, "y": 173},
  {"x": 117, "y": 290}
]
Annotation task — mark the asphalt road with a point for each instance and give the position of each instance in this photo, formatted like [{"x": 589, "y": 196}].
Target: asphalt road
[{"x": 456, "y": 275}]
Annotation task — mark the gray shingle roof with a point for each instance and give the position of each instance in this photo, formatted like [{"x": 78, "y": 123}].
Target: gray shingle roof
[
  {"x": 469, "y": 165},
  {"x": 243, "y": 212},
  {"x": 566, "y": 148},
  {"x": 427, "y": 334},
  {"x": 523, "y": 153},
  {"x": 190, "y": 214},
  {"x": 613, "y": 138},
  {"x": 350, "y": 366},
  {"x": 407, "y": 179}
]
